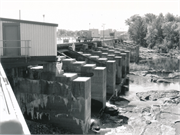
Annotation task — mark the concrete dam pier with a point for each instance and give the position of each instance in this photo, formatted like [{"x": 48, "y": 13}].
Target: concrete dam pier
[{"x": 68, "y": 91}]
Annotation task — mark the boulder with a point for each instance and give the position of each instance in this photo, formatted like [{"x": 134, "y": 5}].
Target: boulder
[{"x": 155, "y": 95}]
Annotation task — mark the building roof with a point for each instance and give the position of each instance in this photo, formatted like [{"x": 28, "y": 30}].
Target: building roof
[{"x": 30, "y": 22}]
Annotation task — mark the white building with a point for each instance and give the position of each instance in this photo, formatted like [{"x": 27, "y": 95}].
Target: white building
[{"x": 21, "y": 38}]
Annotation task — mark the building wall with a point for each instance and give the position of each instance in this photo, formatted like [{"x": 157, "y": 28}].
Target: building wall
[
  {"x": 1, "y": 35},
  {"x": 42, "y": 39},
  {"x": 94, "y": 32},
  {"x": 106, "y": 32}
]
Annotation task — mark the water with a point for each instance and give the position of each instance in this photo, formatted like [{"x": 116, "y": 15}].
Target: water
[
  {"x": 144, "y": 84},
  {"x": 140, "y": 83},
  {"x": 133, "y": 108}
]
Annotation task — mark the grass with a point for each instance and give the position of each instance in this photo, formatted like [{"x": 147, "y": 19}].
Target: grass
[{"x": 136, "y": 67}]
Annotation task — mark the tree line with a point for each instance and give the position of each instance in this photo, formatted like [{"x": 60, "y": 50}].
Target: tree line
[
  {"x": 155, "y": 31},
  {"x": 67, "y": 33}
]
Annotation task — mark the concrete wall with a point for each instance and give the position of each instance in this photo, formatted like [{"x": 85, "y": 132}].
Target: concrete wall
[
  {"x": 51, "y": 101},
  {"x": 64, "y": 100}
]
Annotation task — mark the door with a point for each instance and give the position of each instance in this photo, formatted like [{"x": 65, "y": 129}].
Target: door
[{"x": 11, "y": 39}]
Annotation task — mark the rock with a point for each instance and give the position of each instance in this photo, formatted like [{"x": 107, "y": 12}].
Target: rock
[
  {"x": 175, "y": 100},
  {"x": 119, "y": 101},
  {"x": 132, "y": 73},
  {"x": 137, "y": 110},
  {"x": 94, "y": 126},
  {"x": 172, "y": 109},
  {"x": 162, "y": 81},
  {"x": 138, "y": 124},
  {"x": 146, "y": 109},
  {"x": 155, "y": 95},
  {"x": 148, "y": 122},
  {"x": 157, "y": 80},
  {"x": 168, "y": 118},
  {"x": 104, "y": 131},
  {"x": 153, "y": 129},
  {"x": 110, "y": 110},
  {"x": 153, "y": 76},
  {"x": 131, "y": 80},
  {"x": 167, "y": 130},
  {"x": 177, "y": 129}
]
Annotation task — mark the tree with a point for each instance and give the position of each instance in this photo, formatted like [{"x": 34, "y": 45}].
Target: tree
[
  {"x": 157, "y": 24},
  {"x": 155, "y": 31},
  {"x": 137, "y": 29},
  {"x": 154, "y": 34},
  {"x": 171, "y": 34},
  {"x": 132, "y": 19},
  {"x": 177, "y": 19},
  {"x": 151, "y": 36},
  {"x": 170, "y": 17},
  {"x": 150, "y": 18}
]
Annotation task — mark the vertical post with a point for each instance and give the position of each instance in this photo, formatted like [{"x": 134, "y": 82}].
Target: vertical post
[
  {"x": 28, "y": 46},
  {"x": 25, "y": 48},
  {"x": 19, "y": 14},
  {"x": 103, "y": 34},
  {"x": 111, "y": 76},
  {"x": 81, "y": 104},
  {"x": 98, "y": 85},
  {"x": 43, "y": 18},
  {"x": 127, "y": 61}
]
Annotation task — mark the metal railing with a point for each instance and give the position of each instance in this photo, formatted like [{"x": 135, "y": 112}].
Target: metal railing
[
  {"x": 8, "y": 48},
  {"x": 11, "y": 119}
]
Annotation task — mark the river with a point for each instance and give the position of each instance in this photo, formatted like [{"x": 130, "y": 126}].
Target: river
[
  {"x": 147, "y": 117},
  {"x": 163, "y": 68}
]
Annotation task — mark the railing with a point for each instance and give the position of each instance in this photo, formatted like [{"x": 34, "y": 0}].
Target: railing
[
  {"x": 8, "y": 48},
  {"x": 11, "y": 117}
]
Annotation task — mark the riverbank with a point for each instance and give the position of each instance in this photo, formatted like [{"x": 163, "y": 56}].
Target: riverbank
[
  {"x": 144, "y": 110},
  {"x": 150, "y": 59},
  {"x": 146, "y": 53}
]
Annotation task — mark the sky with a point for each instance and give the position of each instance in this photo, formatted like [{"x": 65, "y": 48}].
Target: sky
[{"x": 85, "y": 14}]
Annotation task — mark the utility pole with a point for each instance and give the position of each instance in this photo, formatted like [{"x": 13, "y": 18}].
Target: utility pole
[
  {"x": 19, "y": 14},
  {"x": 43, "y": 18},
  {"x": 103, "y": 32}
]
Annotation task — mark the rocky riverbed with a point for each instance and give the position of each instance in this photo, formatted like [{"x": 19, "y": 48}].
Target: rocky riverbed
[
  {"x": 152, "y": 104},
  {"x": 158, "y": 115}
]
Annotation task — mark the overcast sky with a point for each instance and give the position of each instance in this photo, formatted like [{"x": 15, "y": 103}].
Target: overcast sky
[{"x": 85, "y": 14}]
